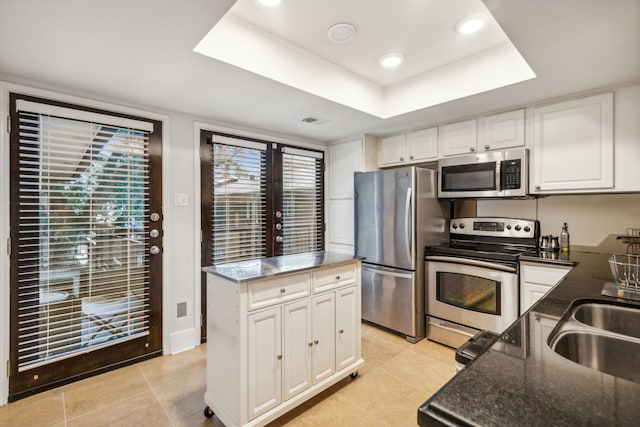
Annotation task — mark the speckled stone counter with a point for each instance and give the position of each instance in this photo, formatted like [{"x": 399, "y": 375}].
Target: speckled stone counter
[
  {"x": 243, "y": 271},
  {"x": 526, "y": 383}
]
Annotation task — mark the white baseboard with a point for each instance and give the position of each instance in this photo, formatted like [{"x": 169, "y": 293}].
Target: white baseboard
[{"x": 183, "y": 341}]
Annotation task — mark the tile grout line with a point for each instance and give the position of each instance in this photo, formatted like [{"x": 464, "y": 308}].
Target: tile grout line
[
  {"x": 153, "y": 391},
  {"x": 64, "y": 407}
]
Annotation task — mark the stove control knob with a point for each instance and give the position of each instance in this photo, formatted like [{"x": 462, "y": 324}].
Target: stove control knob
[
  {"x": 508, "y": 226},
  {"x": 454, "y": 225},
  {"x": 461, "y": 225},
  {"x": 527, "y": 228},
  {"x": 517, "y": 228}
]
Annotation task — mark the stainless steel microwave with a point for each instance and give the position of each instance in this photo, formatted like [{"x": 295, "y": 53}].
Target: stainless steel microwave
[{"x": 493, "y": 174}]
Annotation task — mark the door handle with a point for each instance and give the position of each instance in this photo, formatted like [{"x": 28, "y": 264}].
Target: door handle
[{"x": 407, "y": 220}]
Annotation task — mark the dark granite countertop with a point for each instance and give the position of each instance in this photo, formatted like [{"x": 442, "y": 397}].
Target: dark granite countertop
[
  {"x": 243, "y": 271},
  {"x": 526, "y": 383}
]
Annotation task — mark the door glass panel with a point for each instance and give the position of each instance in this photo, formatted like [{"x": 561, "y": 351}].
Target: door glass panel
[{"x": 469, "y": 292}]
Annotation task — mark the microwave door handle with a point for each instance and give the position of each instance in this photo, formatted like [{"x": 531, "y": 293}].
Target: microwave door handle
[
  {"x": 499, "y": 181},
  {"x": 407, "y": 223}
]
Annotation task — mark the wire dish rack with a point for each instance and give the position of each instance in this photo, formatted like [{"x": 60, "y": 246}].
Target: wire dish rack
[{"x": 625, "y": 269}]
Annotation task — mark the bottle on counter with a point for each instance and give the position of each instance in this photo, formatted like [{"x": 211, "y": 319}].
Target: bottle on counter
[{"x": 564, "y": 238}]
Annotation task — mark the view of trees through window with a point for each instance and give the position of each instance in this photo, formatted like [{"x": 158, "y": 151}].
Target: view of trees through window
[{"x": 83, "y": 203}]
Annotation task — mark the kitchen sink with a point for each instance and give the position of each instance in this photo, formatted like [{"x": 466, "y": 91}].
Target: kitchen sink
[
  {"x": 601, "y": 335},
  {"x": 610, "y": 317},
  {"x": 605, "y": 353}
]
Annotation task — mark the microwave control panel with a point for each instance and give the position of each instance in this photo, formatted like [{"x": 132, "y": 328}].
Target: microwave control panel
[{"x": 511, "y": 173}]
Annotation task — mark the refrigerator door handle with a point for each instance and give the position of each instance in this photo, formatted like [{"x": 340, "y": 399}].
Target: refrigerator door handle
[{"x": 407, "y": 223}]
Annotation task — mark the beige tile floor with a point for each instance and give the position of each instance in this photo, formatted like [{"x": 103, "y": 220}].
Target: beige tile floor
[{"x": 168, "y": 391}]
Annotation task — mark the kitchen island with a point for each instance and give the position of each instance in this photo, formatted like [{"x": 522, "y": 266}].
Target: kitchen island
[
  {"x": 519, "y": 380},
  {"x": 279, "y": 331}
]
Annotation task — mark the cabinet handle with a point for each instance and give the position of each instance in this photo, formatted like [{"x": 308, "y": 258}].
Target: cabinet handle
[
  {"x": 337, "y": 277},
  {"x": 279, "y": 357},
  {"x": 310, "y": 344},
  {"x": 411, "y": 157},
  {"x": 472, "y": 149},
  {"x": 316, "y": 342},
  {"x": 402, "y": 159},
  {"x": 283, "y": 290},
  {"x": 341, "y": 331},
  {"x": 486, "y": 147},
  {"x": 537, "y": 187}
]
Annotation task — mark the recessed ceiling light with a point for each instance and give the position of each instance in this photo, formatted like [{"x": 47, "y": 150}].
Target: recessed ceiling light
[
  {"x": 270, "y": 2},
  {"x": 391, "y": 60},
  {"x": 341, "y": 33},
  {"x": 471, "y": 24}
]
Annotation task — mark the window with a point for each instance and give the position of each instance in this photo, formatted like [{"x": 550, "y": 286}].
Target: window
[
  {"x": 265, "y": 199},
  {"x": 81, "y": 270}
]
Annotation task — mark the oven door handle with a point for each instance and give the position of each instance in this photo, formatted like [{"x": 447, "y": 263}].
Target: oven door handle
[{"x": 472, "y": 262}]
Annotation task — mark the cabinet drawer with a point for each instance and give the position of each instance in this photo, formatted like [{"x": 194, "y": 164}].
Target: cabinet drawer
[
  {"x": 333, "y": 277},
  {"x": 278, "y": 289}
]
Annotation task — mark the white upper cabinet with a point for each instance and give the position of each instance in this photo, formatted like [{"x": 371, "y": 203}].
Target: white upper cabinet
[
  {"x": 458, "y": 138},
  {"x": 392, "y": 150},
  {"x": 572, "y": 146},
  {"x": 495, "y": 132},
  {"x": 500, "y": 131},
  {"x": 422, "y": 145},
  {"x": 414, "y": 147}
]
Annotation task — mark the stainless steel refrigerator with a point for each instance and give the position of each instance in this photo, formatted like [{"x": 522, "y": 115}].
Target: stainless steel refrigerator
[{"x": 397, "y": 213}]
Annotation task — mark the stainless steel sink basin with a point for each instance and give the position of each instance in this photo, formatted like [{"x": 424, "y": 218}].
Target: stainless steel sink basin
[
  {"x": 605, "y": 353},
  {"x": 610, "y": 317},
  {"x": 601, "y": 335}
]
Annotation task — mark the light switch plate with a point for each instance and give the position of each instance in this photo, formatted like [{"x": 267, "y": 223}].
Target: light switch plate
[{"x": 180, "y": 199}]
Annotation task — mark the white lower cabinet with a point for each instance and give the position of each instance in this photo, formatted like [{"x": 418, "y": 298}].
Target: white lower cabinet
[
  {"x": 536, "y": 279},
  {"x": 306, "y": 340},
  {"x": 265, "y": 367},
  {"x": 347, "y": 314}
]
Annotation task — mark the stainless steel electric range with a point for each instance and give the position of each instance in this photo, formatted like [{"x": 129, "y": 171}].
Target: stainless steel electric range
[{"x": 472, "y": 281}]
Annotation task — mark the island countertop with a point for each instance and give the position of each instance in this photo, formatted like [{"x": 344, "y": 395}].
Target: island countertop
[
  {"x": 244, "y": 271},
  {"x": 519, "y": 380}
]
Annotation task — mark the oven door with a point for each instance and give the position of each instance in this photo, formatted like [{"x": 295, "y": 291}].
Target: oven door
[{"x": 478, "y": 294}]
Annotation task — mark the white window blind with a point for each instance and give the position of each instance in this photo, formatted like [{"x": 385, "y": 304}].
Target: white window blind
[
  {"x": 302, "y": 201},
  {"x": 239, "y": 201},
  {"x": 83, "y": 266}
]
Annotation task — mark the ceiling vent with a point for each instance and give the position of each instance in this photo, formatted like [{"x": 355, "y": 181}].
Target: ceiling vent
[{"x": 315, "y": 120}]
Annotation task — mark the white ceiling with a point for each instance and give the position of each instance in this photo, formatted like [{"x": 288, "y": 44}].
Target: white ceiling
[
  {"x": 288, "y": 43},
  {"x": 141, "y": 53}
]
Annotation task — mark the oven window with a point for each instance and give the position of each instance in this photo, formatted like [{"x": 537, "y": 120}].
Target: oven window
[
  {"x": 469, "y": 292},
  {"x": 472, "y": 177}
]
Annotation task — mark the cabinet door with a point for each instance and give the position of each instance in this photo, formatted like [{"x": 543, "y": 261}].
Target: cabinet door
[
  {"x": 500, "y": 131},
  {"x": 297, "y": 348},
  {"x": 344, "y": 160},
  {"x": 324, "y": 344},
  {"x": 537, "y": 279},
  {"x": 530, "y": 293},
  {"x": 458, "y": 138},
  {"x": 392, "y": 150},
  {"x": 265, "y": 361},
  {"x": 422, "y": 145},
  {"x": 341, "y": 227},
  {"x": 347, "y": 326},
  {"x": 573, "y": 145}
]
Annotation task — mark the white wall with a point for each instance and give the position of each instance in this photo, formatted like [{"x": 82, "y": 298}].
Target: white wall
[
  {"x": 594, "y": 220},
  {"x": 181, "y": 174}
]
